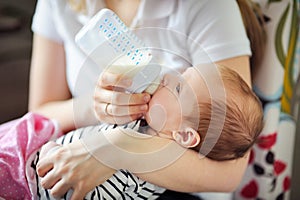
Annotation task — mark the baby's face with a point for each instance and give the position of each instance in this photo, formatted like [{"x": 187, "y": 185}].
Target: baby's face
[{"x": 177, "y": 96}]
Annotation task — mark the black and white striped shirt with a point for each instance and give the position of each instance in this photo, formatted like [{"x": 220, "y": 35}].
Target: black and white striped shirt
[{"x": 122, "y": 185}]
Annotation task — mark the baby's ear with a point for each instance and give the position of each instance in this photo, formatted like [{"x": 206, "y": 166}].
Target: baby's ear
[{"x": 188, "y": 138}]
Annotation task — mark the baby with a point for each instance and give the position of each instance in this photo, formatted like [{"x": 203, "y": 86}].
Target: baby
[{"x": 181, "y": 109}]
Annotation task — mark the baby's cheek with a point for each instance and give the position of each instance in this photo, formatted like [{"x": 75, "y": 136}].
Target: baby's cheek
[{"x": 157, "y": 117}]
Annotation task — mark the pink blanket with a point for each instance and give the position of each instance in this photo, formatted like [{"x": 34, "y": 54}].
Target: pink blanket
[{"x": 19, "y": 141}]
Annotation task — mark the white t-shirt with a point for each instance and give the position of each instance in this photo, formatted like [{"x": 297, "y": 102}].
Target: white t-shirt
[{"x": 181, "y": 33}]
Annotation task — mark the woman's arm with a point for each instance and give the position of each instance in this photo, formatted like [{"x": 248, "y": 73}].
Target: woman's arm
[
  {"x": 157, "y": 160},
  {"x": 48, "y": 93},
  {"x": 190, "y": 173}
]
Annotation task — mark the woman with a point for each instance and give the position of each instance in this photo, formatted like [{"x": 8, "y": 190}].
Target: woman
[{"x": 56, "y": 84}]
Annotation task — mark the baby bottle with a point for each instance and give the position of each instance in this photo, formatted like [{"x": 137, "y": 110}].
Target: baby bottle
[{"x": 108, "y": 42}]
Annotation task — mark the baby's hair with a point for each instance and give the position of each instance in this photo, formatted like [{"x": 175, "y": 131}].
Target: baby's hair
[{"x": 243, "y": 121}]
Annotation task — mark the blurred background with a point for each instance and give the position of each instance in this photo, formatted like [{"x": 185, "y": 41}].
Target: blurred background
[{"x": 15, "y": 54}]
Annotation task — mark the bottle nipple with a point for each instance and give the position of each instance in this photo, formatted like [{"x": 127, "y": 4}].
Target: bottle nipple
[{"x": 153, "y": 86}]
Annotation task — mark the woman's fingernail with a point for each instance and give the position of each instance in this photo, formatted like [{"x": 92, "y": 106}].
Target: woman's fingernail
[
  {"x": 146, "y": 98},
  {"x": 144, "y": 107}
]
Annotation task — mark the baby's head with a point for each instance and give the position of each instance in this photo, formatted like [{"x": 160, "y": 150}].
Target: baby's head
[
  {"x": 242, "y": 124},
  {"x": 181, "y": 109}
]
